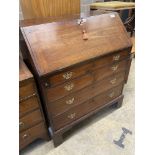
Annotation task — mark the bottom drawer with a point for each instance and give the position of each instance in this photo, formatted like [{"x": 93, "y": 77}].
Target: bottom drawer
[
  {"x": 31, "y": 134},
  {"x": 86, "y": 107}
]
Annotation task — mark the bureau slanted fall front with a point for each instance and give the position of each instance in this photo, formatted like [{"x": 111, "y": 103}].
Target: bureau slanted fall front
[{"x": 81, "y": 67}]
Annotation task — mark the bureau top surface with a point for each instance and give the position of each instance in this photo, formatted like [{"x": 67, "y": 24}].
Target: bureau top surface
[
  {"x": 58, "y": 45},
  {"x": 24, "y": 72}
]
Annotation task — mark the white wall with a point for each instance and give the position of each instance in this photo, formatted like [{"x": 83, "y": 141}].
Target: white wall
[
  {"x": 20, "y": 12},
  {"x": 85, "y": 5}
]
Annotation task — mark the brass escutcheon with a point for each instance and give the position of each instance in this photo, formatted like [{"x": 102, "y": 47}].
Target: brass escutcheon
[
  {"x": 70, "y": 101},
  {"x": 25, "y": 136},
  {"x": 69, "y": 87},
  {"x": 113, "y": 81},
  {"x": 21, "y": 124},
  {"x": 114, "y": 68},
  {"x": 116, "y": 57},
  {"x": 67, "y": 75},
  {"x": 71, "y": 116}
]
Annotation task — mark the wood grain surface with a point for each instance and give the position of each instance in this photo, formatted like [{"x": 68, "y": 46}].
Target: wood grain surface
[
  {"x": 31, "y": 134},
  {"x": 55, "y": 46},
  {"x": 30, "y": 109},
  {"x": 84, "y": 108},
  {"x": 24, "y": 72},
  {"x": 30, "y": 120},
  {"x": 78, "y": 67},
  {"x": 49, "y": 8}
]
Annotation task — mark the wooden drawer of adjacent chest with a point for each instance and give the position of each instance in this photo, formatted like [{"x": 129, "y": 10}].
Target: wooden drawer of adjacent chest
[
  {"x": 30, "y": 119},
  {"x": 68, "y": 87},
  {"x": 31, "y": 134},
  {"x": 28, "y": 105},
  {"x": 86, "y": 107},
  {"x": 27, "y": 90},
  {"x": 85, "y": 94}
]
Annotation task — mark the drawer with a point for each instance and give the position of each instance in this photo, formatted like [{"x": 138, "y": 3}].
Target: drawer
[
  {"x": 26, "y": 90},
  {"x": 65, "y": 103},
  {"x": 110, "y": 70},
  {"x": 86, "y": 107},
  {"x": 85, "y": 94},
  {"x": 68, "y": 87},
  {"x": 30, "y": 119},
  {"x": 102, "y": 98},
  {"x": 69, "y": 74},
  {"x": 28, "y": 105},
  {"x": 31, "y": 134},
  {"x": 108, "y": 83},
  {"x": 113, "y": 58}
]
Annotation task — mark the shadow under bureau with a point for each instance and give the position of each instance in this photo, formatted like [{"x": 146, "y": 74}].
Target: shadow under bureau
[
  {"x": 81, "y": 67},
  {"x": 31, "y": 122}
]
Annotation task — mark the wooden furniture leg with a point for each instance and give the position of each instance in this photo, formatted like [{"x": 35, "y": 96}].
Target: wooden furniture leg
[
  {"x": 57, "y": 139},
  {"x": 119, "y": 103}
]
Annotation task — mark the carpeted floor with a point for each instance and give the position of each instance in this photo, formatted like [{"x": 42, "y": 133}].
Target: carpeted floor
[{"x": 95, "y": 135}]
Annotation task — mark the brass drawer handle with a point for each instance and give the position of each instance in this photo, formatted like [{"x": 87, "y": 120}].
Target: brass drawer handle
[
  {"x": 67, "y": 75},
  {"x": 69, "y": 87},
  {"x": 21, "y": 124},
  {"x": 114, "y": 68},
  {"x": 71, "y": 116},
  {"x": 111, "y": 94},
  {"x": 25, "y": 136},
  {"x": 70, "y": 101},
  {"x": 116, "y": 57},
  {"x": 113, "y": 81}
]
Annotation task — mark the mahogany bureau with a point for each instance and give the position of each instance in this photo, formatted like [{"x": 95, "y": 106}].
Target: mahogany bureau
[
  {"x": 31, "y": 121},
  {"x": 81, "y": 67}
]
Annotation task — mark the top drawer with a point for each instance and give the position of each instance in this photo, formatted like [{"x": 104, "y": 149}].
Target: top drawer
[
  {"x": 114, "y": 58},
  {"x": 62, "y": 90},
  {"x": 69, "y": 74},
  {"x": 74, "y": 72}
]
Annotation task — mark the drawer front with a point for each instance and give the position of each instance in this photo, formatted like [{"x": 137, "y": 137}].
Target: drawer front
[
  {"x": 83, "y": 109},
  {"x": 28, "y": 105},
  {"x": 102, "y": 99},
  {"x": 116, "y": 57},
  {"x": 109, "y": 70},
  {"x": 108, "y": 83},
  {"x": 26, "y": 90},
  {"x": 31, "y": 134},
  {"x": 30, "y": 119},
  {"x": 69, "y": 87},
  {"x": 85, "y": 94},
  {"x": 70, "y": 74}
]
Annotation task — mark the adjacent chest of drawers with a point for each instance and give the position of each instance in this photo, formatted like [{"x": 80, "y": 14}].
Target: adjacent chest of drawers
[
  {"x": 31, "y": 121},
  {"x": 81, "y": 67}
]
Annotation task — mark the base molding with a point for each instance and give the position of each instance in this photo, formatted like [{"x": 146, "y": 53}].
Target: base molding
[{"x": 58, "y": 135}]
